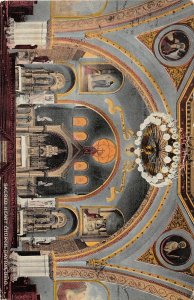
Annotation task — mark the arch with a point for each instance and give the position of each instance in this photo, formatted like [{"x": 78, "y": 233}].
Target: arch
[{"x": 124, "y": 68}]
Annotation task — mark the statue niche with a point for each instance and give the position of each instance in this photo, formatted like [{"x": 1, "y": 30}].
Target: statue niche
[
  {"x": 42, "y": 222},
  {"x": 39, "y": 80}
]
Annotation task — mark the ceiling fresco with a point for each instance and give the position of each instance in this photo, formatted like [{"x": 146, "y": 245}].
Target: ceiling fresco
[{"x": 96, "y": 150}]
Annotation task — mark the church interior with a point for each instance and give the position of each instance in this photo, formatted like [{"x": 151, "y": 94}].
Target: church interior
[{"x": 97, "y": 150}]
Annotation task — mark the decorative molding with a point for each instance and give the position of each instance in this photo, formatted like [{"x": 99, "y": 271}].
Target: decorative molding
[
  {"x": 123, "y": 277},
  {"x": 176, "y": 73},
  {"x": 184, "y": 122},
  {"x": 123, "y": 67},
  {"x": 148, "y": 38},
  {"x": 115, "y": 132},
  {"x": 178, "y": 221},
  {"x": 124, "y": 230},
  {"x": 149, "y": 257},
  {"x": 124, "y": 16}
]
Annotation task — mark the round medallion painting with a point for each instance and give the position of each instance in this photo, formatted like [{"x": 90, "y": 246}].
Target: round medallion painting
[
  {"x": 174, "y": 45},
  {"x": 175, "y": 250}
]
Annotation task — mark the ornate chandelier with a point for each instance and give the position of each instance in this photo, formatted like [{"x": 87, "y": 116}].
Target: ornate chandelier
[{"x": 158, "y": 149}]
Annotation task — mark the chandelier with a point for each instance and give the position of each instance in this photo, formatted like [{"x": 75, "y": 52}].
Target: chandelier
[{"x": 158, "y": 149}]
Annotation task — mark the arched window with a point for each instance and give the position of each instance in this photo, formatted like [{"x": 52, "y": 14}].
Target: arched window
[
  {"x": 80, "y": 121},
  {"x": 80, "y": 166},
  {"x": 79, "y": 179},
  {"x": 80, "y": 136}
]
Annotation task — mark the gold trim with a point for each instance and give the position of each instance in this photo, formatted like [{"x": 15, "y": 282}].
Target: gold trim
[
  {"x": 96, "y": 14},
  {"x": 128, "y": 166},
  {"x": 142, "y": 68},
  {"x": 131, "y": 225},
  {"x": 127, "y": 133},
  {"x": 148, "y": 99},
  {"x": 137, "y": 236},
  {"x": 137, "y": 23},
  {"x": 120, "y": 275},
  {"x": 72, "y": 198},
  {"x": 149, "y": 274},
  {"x": 76, "y": 212}
]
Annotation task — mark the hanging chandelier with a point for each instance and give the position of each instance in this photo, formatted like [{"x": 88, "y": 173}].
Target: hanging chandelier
[{"x": 158, "y": 149}]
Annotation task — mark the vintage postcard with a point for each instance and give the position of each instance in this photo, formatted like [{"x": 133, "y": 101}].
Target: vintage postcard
[{"x": 96, "y": 150}]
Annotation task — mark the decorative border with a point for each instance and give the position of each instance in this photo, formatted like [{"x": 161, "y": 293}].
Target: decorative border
[
  {"x": 124, "y": 68},
  {"x": 117, "y": 18},
  {"x": 182, "y": 123},
  {"x": 134, "y": 281}
]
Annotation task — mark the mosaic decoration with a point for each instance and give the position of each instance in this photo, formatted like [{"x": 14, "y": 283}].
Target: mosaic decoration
[{"x": 177, "y": 74}]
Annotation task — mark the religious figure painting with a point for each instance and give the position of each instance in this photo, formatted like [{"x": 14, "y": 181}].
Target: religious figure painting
[
  {"x": 81, "y": 290},
  {"x": 99, "y": 78},
  {"x": 174, "y": 45},
  {"x": 175, "y": 250},
  {"x": 96, "y": 150}
]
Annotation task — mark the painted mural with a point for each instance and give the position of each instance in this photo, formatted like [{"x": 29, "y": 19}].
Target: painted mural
[
  {"x": 75, "y": 9},
  {"x": 80, "y": 290},
  {"x": 174, "y": 45},
  {"x": 175, "y": 250},
  {"x": 96, "y": 150},
  {"x": 99, "y": 78}
]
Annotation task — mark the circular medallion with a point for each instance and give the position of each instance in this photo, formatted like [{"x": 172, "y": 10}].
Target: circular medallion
[
  {"x": 173, "y": 45},
  {"x": 174, "y": 249},
  {"x": 105, "y": 151}
]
